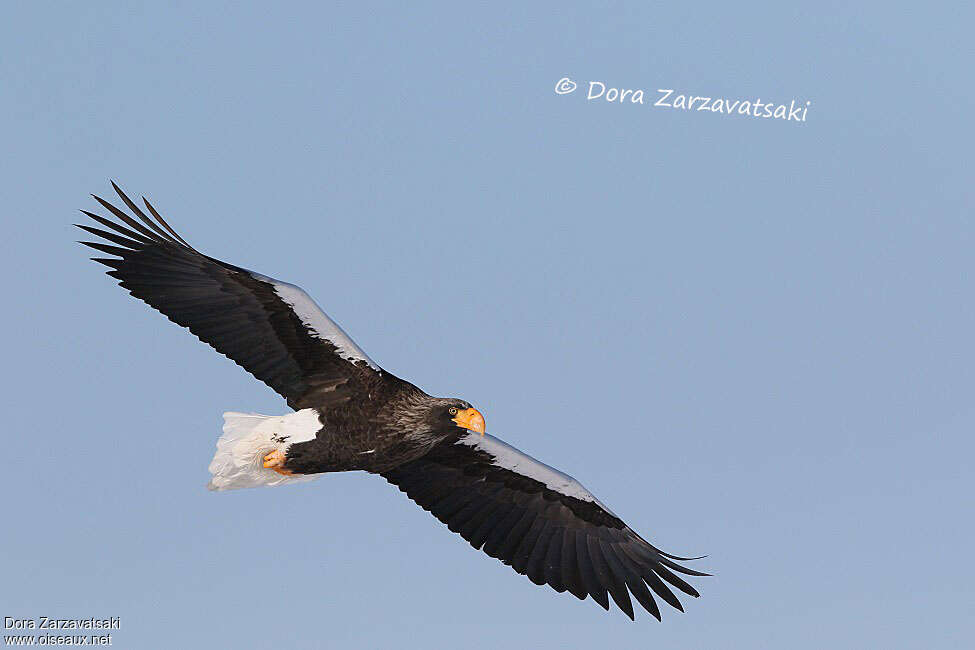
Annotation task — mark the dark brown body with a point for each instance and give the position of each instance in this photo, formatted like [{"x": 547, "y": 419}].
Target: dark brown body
[{"x": 364, "y": 425}]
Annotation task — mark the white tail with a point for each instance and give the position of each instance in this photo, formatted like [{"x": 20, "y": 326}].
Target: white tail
[{"x": 248, "y": 437}]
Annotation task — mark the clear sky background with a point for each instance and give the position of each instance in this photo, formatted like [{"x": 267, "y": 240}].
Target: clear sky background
[{"x": 751, "y": 338}]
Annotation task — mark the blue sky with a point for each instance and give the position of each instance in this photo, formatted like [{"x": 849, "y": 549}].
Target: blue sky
[{"x": 751, "y": 338}]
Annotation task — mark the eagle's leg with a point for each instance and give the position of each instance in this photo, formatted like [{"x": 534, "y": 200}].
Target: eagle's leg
[{"x": 275, "y": 460}]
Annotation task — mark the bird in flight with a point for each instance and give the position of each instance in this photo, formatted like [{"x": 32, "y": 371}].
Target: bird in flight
[{"x": 350, "y": 414}]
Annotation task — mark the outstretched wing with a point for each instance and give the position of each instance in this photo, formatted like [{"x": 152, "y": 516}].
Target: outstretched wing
[
  {"x": 541, "y": 522},
  {"x": 273, "y": 329}
]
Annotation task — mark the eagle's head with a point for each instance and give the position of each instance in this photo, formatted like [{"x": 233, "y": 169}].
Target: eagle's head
[
  {"x": 458, "y": 413},
  {"x": 418, "y": 415}
]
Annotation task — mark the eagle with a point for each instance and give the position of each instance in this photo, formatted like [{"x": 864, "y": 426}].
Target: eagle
[{"x": 351, "y": 414}]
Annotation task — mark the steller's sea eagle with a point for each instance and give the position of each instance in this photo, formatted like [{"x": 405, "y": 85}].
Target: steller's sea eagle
[{"x": 350, "y": 414}]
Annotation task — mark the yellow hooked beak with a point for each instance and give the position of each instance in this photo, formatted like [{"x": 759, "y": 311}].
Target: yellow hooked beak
[{"x": 470, "y": 419}]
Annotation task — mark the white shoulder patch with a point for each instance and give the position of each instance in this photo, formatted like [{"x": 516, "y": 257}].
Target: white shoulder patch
[
  {"x": 317, "y": 321},
  {"x": 248, "y": 437},
  {"x": 519, "y": 462}
]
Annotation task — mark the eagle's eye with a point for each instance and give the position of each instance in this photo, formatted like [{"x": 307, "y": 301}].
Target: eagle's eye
[{"x": 452, "y": 410}]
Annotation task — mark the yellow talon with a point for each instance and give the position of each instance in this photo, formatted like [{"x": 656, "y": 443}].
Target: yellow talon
[{"x": 275, "y": 460}]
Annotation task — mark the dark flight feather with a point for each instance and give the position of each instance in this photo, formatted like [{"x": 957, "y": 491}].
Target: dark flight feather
[
  {"x": 239, "y": 313},
  {"x": 496, "y": 497}
]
